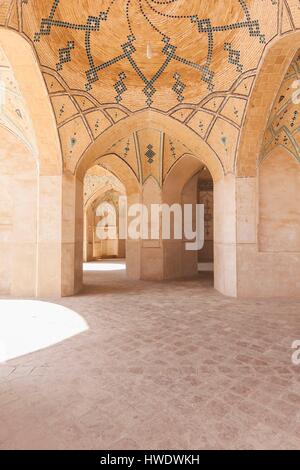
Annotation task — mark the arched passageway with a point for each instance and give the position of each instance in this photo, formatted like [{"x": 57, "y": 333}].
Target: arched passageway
[
  {"x": 163, "y": 133},
  {"x": 50, "y": 245},
  {"x": 267, "y": 167},
  {"x": 102, "y": 196},
  {"x": 31, "y": 177},
  {"x": 159, "y": 182}
]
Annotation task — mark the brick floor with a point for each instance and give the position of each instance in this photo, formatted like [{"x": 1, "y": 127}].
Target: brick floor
[{"x": 163, "y": 366}]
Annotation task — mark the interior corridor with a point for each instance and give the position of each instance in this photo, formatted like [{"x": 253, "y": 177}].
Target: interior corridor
[{"x": 157, "y": 368}]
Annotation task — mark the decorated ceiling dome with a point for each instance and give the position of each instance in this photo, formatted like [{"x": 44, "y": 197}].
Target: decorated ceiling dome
[
  {"x": 109, "y": 63},
  {"x": 149, "y": 53}
]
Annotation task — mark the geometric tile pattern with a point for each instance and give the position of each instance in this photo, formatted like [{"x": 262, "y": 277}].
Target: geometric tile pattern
[
  {"x": 233, "y": 56},
  {"x": 150, "y": 154},
  {"x": 65, "y": 55},
  {"x": 120, "y": 87},
  {"x": 179, "y": 87},
  {"x": 98, "y": 57},
  {"x": 284, "y": 124},
  {"x": 153, "y": 13}
]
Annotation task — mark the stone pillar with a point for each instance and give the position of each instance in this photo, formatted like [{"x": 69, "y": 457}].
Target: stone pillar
[
  {"x": 158, "y": 259},
  {"x": 18, "y": 253},
  {"x": 133, "y": 247},
  {"x": 78, "y": 281},
  {"x": 49, "y": 237},
  {"x": 152, "y": 253},
  {"x": 247, "y": 219},
  {"x": 88, "y": 234},
  {"x": 190, "y": 258},
  {"x": 268, "y": 234},
  {"x": 144, "y": 258},
  {"x": 178, "y": 261},
  {"x": 18, "y": 217},
  {"x": 225, "y": 237},
  {"x": 68, "y": 234},
  {"x": 72, "y": 235}
]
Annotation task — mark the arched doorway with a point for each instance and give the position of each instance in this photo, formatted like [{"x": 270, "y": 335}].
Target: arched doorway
[
  {"x": 102, "y": 194},
  {"x": 190, "y": 184},
  {"x": 108, "y": 179},
  {"x": 149, "y": 259}
]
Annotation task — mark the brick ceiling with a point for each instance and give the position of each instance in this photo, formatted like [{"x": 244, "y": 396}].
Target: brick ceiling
[{"x": 149, "y": 53}]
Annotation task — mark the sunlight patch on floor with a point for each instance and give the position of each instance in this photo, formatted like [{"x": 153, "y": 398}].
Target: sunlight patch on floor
[
  {"x": 27, "y": 326},
  {"x": 109, "y": 265}
]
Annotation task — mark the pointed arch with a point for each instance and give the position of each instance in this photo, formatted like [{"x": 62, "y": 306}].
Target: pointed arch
[
  {"x": 181, "y": 172},
  {"x": 273, "y": 67},
  {"x": 35, "y": 247},
  {"x": 150, "y": 118},
  {"x": 119, "y": 168},
  {"x": 24, "y": 63}
]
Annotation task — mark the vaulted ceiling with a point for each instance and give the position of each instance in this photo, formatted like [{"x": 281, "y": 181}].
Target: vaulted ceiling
[
  {"x": 284, "y": 123},
  {"x": 149, "y": 52},
  {"x": 193, "y": 60}
]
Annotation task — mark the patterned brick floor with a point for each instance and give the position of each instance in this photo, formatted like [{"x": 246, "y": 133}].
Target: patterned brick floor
[{"x": 163, "y": 366}]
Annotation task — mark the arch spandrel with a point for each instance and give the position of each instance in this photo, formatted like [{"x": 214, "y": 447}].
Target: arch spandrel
[
  {"x": 151, "y": 119},
  {"x": 27, "y": 73},
  {"x": 274, "y": 66},
  {"x": 204, "y": 84}
]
